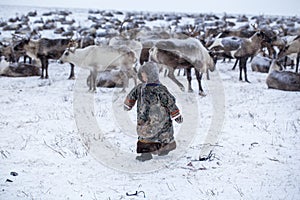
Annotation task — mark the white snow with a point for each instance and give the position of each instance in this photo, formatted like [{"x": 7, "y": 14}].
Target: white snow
[{"x": 66, "y": 143}]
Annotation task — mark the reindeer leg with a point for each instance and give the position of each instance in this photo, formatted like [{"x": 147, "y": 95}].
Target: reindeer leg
[
  {"x": 235, "y": 64},
  {"x": 271, "y": 51},
  {"x": 125, "y": 81},
  {"x": 251, "y": 58},
  {"x": 189, "y": 78},
  {"x": 72, "y": 74},
  {"x": 43, "y": 67},
  {"x": 178, "y": 72},
  {"x": 132, "y": 74},
  {"x": 172, "y": 77},
  {"x": 30, "y": 60},
  {"x": 91, "y": 80},
  {"x": 88, "y": 80},
  {"x": 46, "y": 68},
  {"x": 165, "y": 74},
  {"x": 244, "y": 67},
  {"x": 297, "y": 62},
  {"x": 245, "y": 71},
  {"x": 241, "y": 68},
  {"x": 199, "y": 78},
  {"x": 285, "y": 60},
  {"x": 94, "y": 77},
  {"x": 25, "y": 59},
  {"x": 207, "y": 74},
  {"x": 42, "y": 75}
]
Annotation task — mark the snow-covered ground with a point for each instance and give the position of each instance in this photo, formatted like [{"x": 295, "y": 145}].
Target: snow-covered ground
[{"x": 66, "y": 143}]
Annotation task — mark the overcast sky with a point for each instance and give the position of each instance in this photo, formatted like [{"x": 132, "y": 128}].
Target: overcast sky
[{"x": 266, "y": 7}]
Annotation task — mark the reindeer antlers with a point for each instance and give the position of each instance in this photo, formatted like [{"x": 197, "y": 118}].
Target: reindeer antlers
[
  {"x": 192, "y": 30},
  {"x": 15, "y": 37},
  {"x": 255, "y": 27}
]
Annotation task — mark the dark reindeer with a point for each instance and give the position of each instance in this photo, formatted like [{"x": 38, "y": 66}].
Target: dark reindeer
[{"x": 45, "y": 49}]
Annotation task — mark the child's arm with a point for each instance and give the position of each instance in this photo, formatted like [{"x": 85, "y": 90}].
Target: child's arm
[
  {"x": 169, "y": 101},
  {"x": 130, "y": 99}
]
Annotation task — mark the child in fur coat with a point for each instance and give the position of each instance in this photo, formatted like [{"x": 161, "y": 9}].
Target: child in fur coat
[{"x": 156, "y": 108}]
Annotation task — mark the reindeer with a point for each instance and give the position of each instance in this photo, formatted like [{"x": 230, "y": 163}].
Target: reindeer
[
  {"x": 109, "y": 79},
  {"x": 281, "y": 43},
  {"x": 18, "y": 69},
  {"x": 7, "y": 52},
  {"x": 243, "y": 32},
  {"x": 292, "y": 47},
  {"x": 240, "y": 49},
  {"x": 282, "y": 80},
  {"x": 261, "y": 63},
  {"x": 134, "y": 45},
  {"x": 100, "y": 58},
  {"x": 188, "y": 53},
  {"x": 44, "y": 49}
]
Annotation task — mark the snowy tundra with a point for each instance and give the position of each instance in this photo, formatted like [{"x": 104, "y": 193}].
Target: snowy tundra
[{"x": 253, "y": 153}]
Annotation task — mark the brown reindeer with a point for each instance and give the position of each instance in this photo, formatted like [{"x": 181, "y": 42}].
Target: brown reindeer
[
  {"x": 45, "y": 49},
  {"x": 240, "y": 48},
  {"x": 292, "y": 47}
]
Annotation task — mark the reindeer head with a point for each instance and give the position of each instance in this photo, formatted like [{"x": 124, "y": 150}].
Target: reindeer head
[
  {"x": 65, "y": 56},
  {"x": 72, "y": 46},
  {"x": 266, "y": 34},
  {"x": 213, "y": 55},
  {"x": 191, "y": 30},
  {"x": 214, "y": 58},
  {"x": 283, "y": 51},
  {"x": 20, "y": 44}
]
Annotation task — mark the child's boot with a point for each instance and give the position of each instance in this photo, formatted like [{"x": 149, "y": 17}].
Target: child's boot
[
  {"x": 166, "y": 148},
  {"x": 144, "y": 157}
]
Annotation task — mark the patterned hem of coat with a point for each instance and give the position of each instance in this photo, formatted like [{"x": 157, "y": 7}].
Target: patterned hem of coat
[
  {"x": 155, "y": 148},
  {"x": 147, "y": 147}
]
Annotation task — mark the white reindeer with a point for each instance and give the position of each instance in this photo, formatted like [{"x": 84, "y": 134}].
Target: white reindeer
[{"x": 100, "y": 58}]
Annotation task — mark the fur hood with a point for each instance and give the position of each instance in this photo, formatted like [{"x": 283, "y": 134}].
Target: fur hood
[{"x": 151, "y": 69}]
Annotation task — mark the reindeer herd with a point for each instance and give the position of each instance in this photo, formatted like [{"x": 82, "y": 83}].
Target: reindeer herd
[{"x": 117, "y": 48}]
